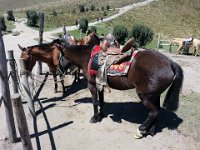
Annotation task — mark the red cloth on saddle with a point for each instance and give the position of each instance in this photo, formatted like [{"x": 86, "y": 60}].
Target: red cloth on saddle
[
  {"x": 113, "y": 70},
  {"x": 121, "y": 69},
  {"x": 95, "y": 50}
]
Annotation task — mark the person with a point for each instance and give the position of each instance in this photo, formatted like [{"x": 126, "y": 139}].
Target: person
[{"x": 186, "y": 44}]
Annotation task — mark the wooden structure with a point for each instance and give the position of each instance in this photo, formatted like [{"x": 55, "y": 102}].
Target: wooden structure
[
  {"x": 21, "y": 122},
  {"x": 161, "y": 43},
  {"x": 6, "y": 93}
]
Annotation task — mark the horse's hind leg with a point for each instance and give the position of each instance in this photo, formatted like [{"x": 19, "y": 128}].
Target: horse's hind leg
[{"x": 153, "y": 105}]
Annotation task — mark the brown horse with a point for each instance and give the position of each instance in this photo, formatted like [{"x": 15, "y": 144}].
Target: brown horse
[
  {"x": 151, "y": 73},
  {"x": 48, "y": 53}
]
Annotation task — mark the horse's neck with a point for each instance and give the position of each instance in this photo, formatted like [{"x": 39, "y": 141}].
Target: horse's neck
[{"x": 79, "y": 58}]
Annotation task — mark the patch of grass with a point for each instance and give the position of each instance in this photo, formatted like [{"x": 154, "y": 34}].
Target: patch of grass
[
  {"x": 189, "y": 111},
  {"x": 10, "y": 25}
]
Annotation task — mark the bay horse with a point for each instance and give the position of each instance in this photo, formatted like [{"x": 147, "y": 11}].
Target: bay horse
[
  {"x": 180, "y": 42},
  {"x": 48, "y": 53},
  {"x": 150, "y": 73}
]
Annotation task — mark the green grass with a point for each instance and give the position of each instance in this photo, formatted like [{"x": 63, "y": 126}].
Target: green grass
[{"x": 189, "y": 112}]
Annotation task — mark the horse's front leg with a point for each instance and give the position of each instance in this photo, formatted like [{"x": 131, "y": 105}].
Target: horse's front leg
[
  {"x": 97, "y": 117},
  {"x": 55, "y": 81},
  {"x": 101, "y": 103}
]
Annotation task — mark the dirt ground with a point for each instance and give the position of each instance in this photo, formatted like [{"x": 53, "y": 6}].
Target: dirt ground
[{"x": 63, "y": 123}]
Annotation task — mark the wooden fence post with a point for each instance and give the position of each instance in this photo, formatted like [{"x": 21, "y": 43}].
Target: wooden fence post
[
  {"x": 158, "y": 43},
  {"x": 6, "y": 93},
  {"x": 26, "y": 88},
  {"x": 21, "y": 122},
  {"x": 13, "y": 72},
  {"x": 39, "y": 64}
]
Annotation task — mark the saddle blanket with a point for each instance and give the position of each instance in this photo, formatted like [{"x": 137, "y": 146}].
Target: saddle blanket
[{"x": 112, "y": 69}]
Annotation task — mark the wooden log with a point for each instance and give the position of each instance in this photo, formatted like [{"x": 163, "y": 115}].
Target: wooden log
[
  {"x": 41, "y": 20},
  {"x": 11, "y": 131},
  {"x": 25, "y": 86},
  {"x": 11, "y": 60},
  {"x": 21, "y": 122}
]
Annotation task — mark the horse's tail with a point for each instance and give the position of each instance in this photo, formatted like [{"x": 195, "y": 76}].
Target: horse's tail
[{"x": 171, "y": 100}]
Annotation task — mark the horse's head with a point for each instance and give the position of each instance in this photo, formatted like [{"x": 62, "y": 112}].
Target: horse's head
[
  {"x": 26, "y": 55},
  {"x": 91, "y": 39}
]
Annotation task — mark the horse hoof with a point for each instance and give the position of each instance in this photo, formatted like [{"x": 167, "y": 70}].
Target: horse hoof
[
  {"x": 138, "y": 135},
  {"x": 95, "y": 119}
]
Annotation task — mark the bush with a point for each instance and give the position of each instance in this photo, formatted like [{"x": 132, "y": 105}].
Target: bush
[
  {"x": 32, "y": 17},
  {"x": 142, "y": 34},
  {"x": 105, "y": 13},
  {"x": 82, "y": 8},
  {"x": 10, "y": 15},
  {"x": 93, "y": 29},
  {"x": 107, "y": 7},
  {"x": 120, "y": 32},
  {"x": 92, "y": 8},
  {"x": 55, "y": 13},
  {"x": 2, "y": 23},
  {"x": 83, "y": 25}
]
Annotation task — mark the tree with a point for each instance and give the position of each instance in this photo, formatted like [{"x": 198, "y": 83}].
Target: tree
[
  {"x": 2, "y": 23},
  {"x": 82, "y": 8},
  {"x": 32, "y": 17},
  {"x": 93, "y": 29},
  {"x": 10, "y": 15},
  {"x": 120, "y": 32},
  {"x": 142, "y": 34},
  {"x": 83, "y": 25}
]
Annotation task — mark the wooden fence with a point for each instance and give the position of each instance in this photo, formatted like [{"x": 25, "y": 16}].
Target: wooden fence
[{"x": 161, "y": 43}]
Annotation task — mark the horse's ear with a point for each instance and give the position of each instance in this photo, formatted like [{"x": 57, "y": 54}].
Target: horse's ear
[{"x": 22, "y": 48}]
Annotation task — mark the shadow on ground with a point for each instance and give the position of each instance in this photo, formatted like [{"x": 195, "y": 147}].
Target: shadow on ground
[{"x": 135, "y": 112}]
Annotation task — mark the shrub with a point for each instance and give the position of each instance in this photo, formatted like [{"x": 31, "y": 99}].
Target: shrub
[
  {"x": 142, "y": 34},
  {"x": 10, "y": 15},
  {"x": 54, "y": 13},
  {"x": 102, "y": 8},
  {"x": 2, "y": 23},
  {"x": 120, "y": 32},
  {"x": 107, "y": 7},
  {"x": 32, "y": 17},
  {"x": 92, "y": 8},
  {"x": 82, "y": 8},
  {"x": 83, "y": 25},
  {"x": 93, "y": 29},
  {"x": 105, "y": 13}
]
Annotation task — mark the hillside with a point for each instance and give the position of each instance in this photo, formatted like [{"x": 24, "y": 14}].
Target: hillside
[
  {"x": 179, "y": 18},
  {"x": 53, "y": 4}
]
